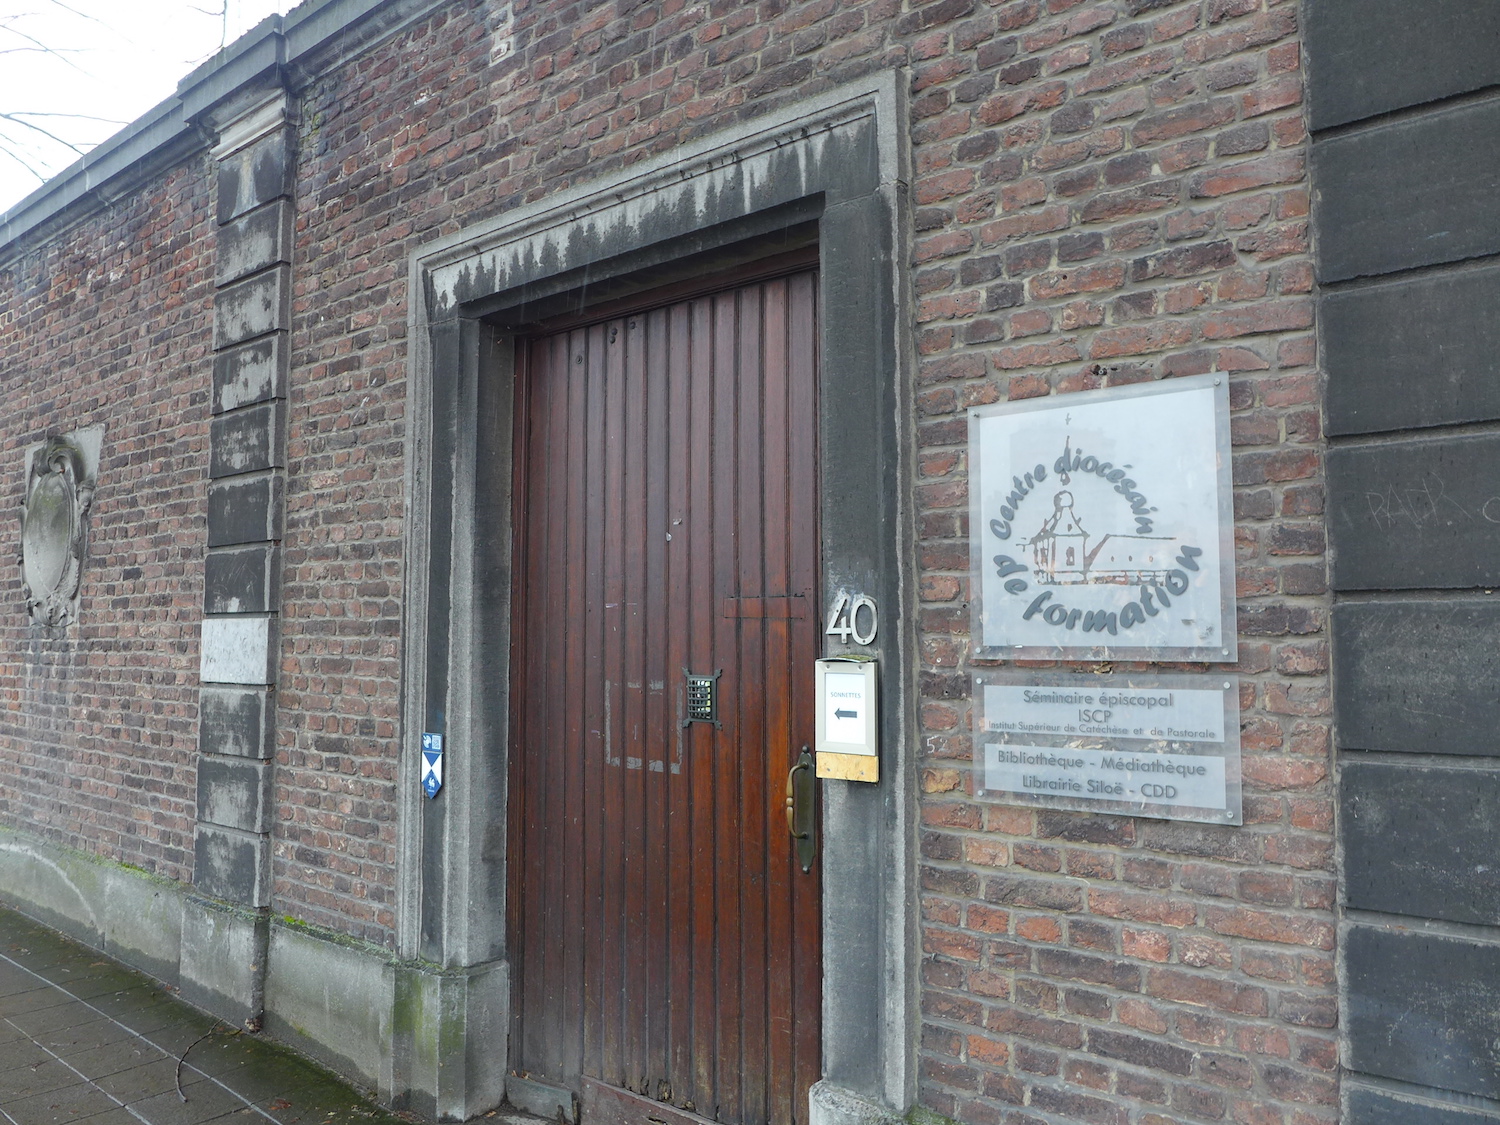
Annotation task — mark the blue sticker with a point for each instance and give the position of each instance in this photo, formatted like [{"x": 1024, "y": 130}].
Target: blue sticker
[{"x": 432, "y": 764}]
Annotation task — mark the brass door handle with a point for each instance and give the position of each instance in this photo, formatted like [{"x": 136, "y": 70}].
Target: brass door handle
[
  {"x": 800, "y": 795},
  {"x": 791, "y": 801}
]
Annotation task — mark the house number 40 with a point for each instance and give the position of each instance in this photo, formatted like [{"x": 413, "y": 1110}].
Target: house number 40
[{"x": 853, "y": 619}]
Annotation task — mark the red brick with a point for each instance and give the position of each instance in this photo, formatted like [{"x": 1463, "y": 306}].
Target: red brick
[
  {"x": 1264, "y": 925},
  {"x": 1204, "y": 990}
]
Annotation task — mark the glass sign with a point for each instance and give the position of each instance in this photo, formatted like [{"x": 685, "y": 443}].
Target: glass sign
[{"x": 1102, "y": 524}]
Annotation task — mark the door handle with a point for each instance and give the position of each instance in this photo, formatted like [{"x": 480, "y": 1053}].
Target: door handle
[{"x": 801, "y": 794}]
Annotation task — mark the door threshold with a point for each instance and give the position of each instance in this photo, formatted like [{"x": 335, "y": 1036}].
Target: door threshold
[{"x": 610, "y": 1105}]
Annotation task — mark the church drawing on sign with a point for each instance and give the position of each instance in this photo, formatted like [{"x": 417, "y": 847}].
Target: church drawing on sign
[{"x": 1061, "y": 554}]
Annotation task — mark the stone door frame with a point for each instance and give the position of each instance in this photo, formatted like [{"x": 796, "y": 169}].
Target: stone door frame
[{"x": 839, "y": 159}]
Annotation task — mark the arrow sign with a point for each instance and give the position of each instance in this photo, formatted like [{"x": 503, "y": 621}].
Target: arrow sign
[
  {"x": 431, "y": 764},
  {"x": 846, "y": 714}
]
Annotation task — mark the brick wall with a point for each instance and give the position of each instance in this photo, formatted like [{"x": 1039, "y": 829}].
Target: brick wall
[
  {"x": 98, "y": 721},
  {"x": 1104, "y": 192},
  {"x": 1108, "y": 193}
]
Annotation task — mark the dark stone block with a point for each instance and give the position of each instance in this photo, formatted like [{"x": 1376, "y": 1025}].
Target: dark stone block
[
  {"x": 1418, "y": 352},
  {"x": 1417, "y": 676},
  {"x": 256, "y": 174},
  {"x": 247, "y": 440},
  {"x": 235, "y": 793},
  {"x": 1369, "y": 1106},
  {"x": 1421, "y": 840},
  {"x": 255, "y": 240},
  {"x": 251, "y": 373},
  {"x": 253, "y": 307},
  {"x": 1424, "y": 1008},
  {"x": 232, "y": 865},
  {"x": 236, "y": 721},
  {"x": 245, "y": 580},
  {"x": 1416, "y": 192},
  {"x": 1366, "y": 57},
  {"x": 245, "y": 511},
  {"x": 1415, "y": 514}
]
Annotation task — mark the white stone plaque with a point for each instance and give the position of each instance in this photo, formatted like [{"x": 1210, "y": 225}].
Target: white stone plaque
[
  {"x": 1156, "y": 746},
  {"x": 1101, "y": 524}
]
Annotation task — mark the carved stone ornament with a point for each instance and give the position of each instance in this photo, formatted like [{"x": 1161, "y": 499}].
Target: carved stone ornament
[{"x": 60, "y": 480}]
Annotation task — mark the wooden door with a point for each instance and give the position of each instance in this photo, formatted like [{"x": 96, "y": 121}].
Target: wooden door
[{"x": 665, "y": 941}]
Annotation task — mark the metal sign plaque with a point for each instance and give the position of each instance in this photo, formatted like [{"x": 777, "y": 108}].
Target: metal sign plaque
[
  {"x": 1156, "y": 746},
  {"x": 431, "y": 765},
  {"x": 1102, "y": 525}
]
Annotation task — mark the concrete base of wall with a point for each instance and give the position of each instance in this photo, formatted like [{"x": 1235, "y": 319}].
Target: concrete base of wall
[
  {"x": 331, "y": 1001},
  {"x": 134, "y": 917},
  {"x": 223, "y": 968},
  {"x": 428, "y": 1039}
]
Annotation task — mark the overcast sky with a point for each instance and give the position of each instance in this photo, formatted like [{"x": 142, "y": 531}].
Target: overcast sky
[{"x": 81, "y": 69}]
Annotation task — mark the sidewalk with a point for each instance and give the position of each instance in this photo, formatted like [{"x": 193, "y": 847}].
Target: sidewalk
[{"x": 83, "y": 1039}]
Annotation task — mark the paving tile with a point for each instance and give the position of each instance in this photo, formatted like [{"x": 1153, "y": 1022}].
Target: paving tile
[
  {"x": 98, "y": 1032},
  {"x": 48, "y": 960},
  {"x": 67, "y": 1104},
  {"x": 13, "y": 979},
  {"x": 115, "y": 1116},
  {"x": 37, "y": 999},
  {"x": 10, "y": 1034},
  {"x": 181, "y": 1034},
  {"x": 21, "y": 1050},
  {"x": 122, "y": 1053},
  {"x": 32, "y": 1073},
  {"x": 89, "y": 1031},
  {"x": 147, "y": 1079},
  {"x": 268, "y": 1086},
  {"x": 56, "y": 1017},
  {"x": 325, "y": 1104},
  {"x": 99, "y": 981},
  {"x": 205, "y": 1101},
  {"x": 242, "y": 1056},
  {"x": 145, "y": 1007}
]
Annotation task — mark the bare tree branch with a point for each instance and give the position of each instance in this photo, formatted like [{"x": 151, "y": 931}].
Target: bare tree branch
[
  {"x": 37, "y": 50},
  {"x": 6, "y": 151},
  {"x": 39, "y": 45},
  {"x": 76, "y": 12},
  {"x": 19, "y": 119},
  {"x": 74, "y": 116}
]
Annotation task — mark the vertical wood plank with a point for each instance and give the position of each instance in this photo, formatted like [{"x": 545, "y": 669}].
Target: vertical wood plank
[
  {"x": 595, "y": 843},
  {"x": 633, "y": 844},
  {"x": 612, "y": 869},
  {"x": 728, "y": 1105},
  {"x": 653, "y": 747},
  {"x": 750, "y": 699},
  {"x": 683, "y": 872},
  {"x": 805, "y": 947},
  {"x": 701, "y": 747},
  {"x": 776, "y": 674}
]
